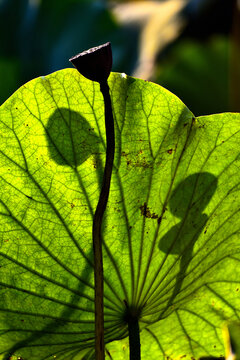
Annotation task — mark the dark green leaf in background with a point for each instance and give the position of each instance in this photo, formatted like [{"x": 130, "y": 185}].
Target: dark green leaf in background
[
  {"x": 171, "y": 229},
  {"x": 38, "y": 37},
  {"x": 198, "y": 72}
]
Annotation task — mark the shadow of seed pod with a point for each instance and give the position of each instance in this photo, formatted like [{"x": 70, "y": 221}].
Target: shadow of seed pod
[
  {"x": 196, "y": 190},
  {"x": 70, "y": 137},
  {"x": 187, "y": 202}
]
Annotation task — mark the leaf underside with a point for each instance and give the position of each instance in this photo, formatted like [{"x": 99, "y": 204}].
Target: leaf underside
[{"x": 171, "y": 228}]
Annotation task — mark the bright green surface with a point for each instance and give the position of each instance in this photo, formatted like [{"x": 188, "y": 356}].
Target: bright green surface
[{"x": 171, "y": 230}]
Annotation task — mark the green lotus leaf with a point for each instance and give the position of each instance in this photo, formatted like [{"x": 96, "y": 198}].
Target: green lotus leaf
[{"x": 171, "y": 229}]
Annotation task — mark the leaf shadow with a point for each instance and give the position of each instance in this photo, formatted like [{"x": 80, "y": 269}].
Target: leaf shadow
[
  {"x": 187, "y": 202},
  {"x": 71, "y": 139}
]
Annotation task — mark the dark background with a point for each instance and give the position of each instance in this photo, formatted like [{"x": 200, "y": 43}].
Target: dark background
[{"x": 191, "y": 47}]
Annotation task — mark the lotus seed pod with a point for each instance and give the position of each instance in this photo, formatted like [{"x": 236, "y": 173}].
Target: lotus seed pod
[{"x": 96, "y": 63}]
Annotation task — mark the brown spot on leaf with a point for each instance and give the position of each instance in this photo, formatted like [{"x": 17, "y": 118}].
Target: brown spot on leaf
[
  {"x": 145, "y": 211},
  {"x": 138, "y": 160},
  {"x": 170, "y": 151}
]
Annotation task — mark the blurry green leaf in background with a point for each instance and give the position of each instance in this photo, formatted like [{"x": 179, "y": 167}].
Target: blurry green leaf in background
[
  {"x": 40, "y": 36},
  {"x": 198, "y": 73}
]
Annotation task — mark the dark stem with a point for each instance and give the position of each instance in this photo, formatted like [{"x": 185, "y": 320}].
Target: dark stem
[
  {"x": 130, "y": 317},
  {"x": 97, "y": 224},
  {"x": 134, "y": 339}
]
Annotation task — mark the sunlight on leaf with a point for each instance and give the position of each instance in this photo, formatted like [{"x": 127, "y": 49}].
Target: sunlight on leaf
[{"x": 171, "y": 228}]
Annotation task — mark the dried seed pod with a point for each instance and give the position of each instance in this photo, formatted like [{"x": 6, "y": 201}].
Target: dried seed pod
[{"x": 95, "y": 64}]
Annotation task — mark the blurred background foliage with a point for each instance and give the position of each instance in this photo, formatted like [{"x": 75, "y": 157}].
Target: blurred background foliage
[{"x": 191, "y": 47}]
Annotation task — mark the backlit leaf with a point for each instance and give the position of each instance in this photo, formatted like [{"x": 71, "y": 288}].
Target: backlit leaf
[{"x": 171, "y": 229}]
